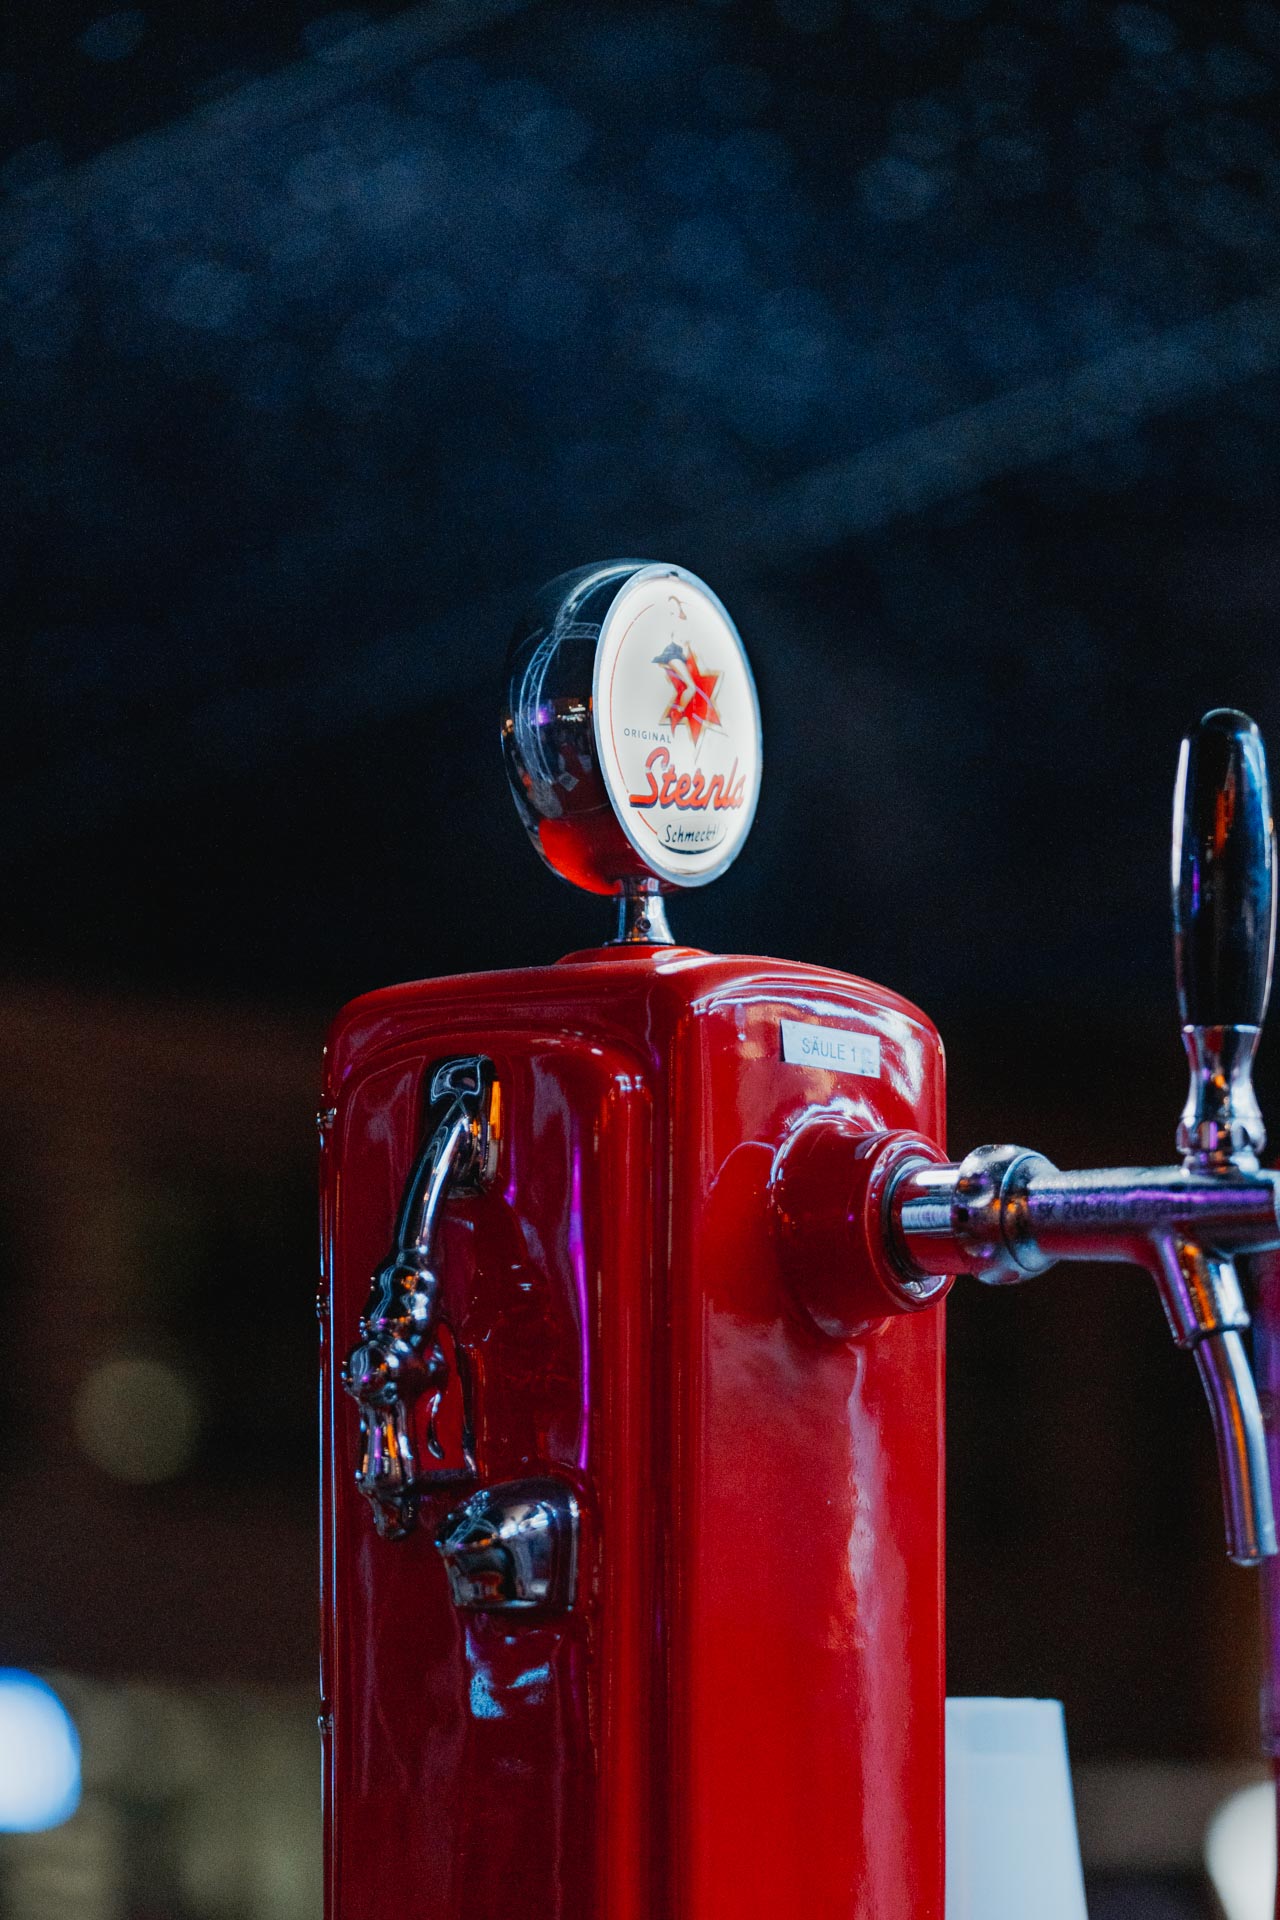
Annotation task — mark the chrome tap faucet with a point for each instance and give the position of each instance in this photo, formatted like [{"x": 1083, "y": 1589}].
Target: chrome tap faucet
[{"x": 1005, "y": 1213}]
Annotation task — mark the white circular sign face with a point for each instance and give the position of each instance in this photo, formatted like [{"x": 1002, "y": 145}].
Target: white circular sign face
[{"x": 677, "y": 725}]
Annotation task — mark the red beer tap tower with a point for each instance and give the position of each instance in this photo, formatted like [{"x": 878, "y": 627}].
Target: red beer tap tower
[{"x": 633, "y": 1522}]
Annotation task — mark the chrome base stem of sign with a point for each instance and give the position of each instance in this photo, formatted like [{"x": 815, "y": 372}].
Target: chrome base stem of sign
[{"x": 642, "y": 920}]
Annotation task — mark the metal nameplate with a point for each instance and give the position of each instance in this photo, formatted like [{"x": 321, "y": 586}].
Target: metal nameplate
[{"x": 832, "y": 1049}]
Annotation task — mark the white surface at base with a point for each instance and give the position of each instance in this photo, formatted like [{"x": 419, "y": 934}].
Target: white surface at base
[
  {"x": 1240, "y": 1853},
  {"x": 1012, "y": 1850}
]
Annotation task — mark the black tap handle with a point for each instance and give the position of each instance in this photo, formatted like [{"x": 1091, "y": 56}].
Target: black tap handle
[{"x": 1224, "y": 896}]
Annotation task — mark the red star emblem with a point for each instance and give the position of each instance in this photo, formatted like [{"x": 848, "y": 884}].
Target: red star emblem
[{"x": 693, "y": 695}]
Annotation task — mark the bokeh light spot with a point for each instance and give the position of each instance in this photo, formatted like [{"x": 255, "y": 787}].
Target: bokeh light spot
[
  {"x": 29, "y": 166},
  {"x": 1144, "y": 30},
  {"x": 897, "y": 189},
  {"x": 208, "y": 295},
  {"x": 138, "y": 1419},
  {"x": 683, "y": 163},
  {"x": 809, "y": 16},
  {"x": 736, "y": 91},
  {"x": 546, "y": 306},
  {"x": 757, "y": 161},
  {"x": 114, "y": 36},
  {"x": 423, "y": 304},
  {"x": 323, "y": 38},
  {"x": 703, "y": 251},
  {"x": 39, "y": 1755}
]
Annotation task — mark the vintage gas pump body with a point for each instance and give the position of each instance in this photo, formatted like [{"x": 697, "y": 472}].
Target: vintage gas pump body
[
  {"x": 741, "y": 1712},
  {"x": 646, "y": 1399}
]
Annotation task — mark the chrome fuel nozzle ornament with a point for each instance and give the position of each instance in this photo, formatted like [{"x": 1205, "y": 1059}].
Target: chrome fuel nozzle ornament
[
  {"x": 631, "y": 733},
  {"x": 398, "y": 1358}
]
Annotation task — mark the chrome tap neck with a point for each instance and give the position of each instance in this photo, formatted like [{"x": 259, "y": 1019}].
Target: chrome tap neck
[{"x": 1221, "y": 1125}]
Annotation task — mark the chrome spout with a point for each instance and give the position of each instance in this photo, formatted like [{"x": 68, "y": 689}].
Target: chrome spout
[
  {"x": 1238, "y": 1430},
  {"x": 1206, "y": 1311},
  {"x": 1004, "y": 1214}
]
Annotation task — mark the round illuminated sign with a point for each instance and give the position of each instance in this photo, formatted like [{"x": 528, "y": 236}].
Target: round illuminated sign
[
  {"x": 630, "y": 729},
  {"x": 677, "y": 725}
]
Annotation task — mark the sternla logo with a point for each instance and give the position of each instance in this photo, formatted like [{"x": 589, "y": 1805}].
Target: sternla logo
[
  {"x": 677, "y": 724},
  {"x": 693, "y": 701}
]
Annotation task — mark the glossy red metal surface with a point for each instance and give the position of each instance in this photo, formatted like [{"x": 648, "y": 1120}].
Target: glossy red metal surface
[
  {"x": 1264, "y": 1270},
  {"x": 743, "y": 1713}
]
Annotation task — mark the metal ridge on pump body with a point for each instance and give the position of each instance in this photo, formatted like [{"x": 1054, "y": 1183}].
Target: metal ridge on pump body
[{"x": 1004, "y": 1213}]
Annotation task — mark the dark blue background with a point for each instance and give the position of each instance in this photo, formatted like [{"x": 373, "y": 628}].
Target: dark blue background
[{"x": 943, "y": 339}]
